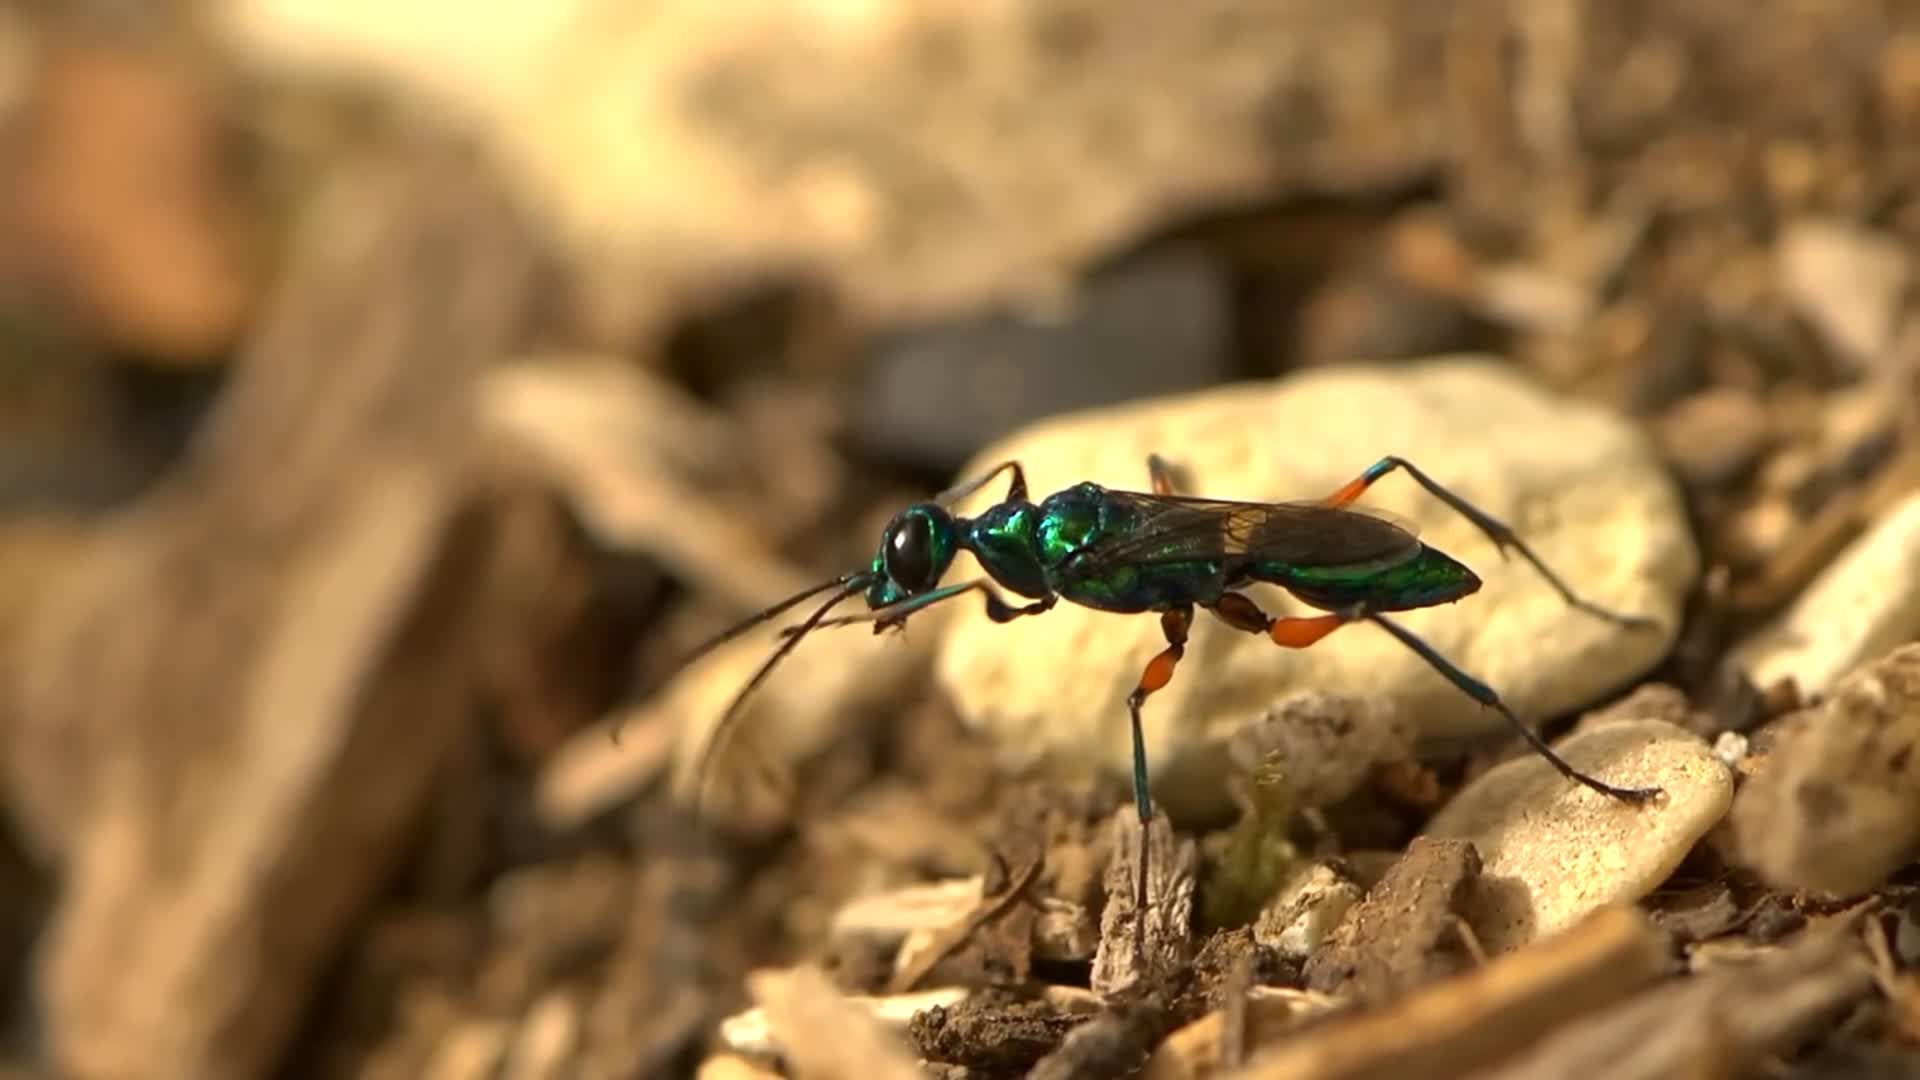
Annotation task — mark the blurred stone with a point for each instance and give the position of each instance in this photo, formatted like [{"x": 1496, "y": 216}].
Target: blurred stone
[
  {"x": 735, "y": 1067},
  {"x": 1849, "y": 282},
  {"x": 922, "y": 157},
  {"x": 1715, "y": 436},
  {"x": 121, "y": 203},
  {"x": 1371, "y": 316},
  {"x": 1409, "y": 291},
  {"x": 1758, "y": 532},
  {"x": 1321, "y": 747},
  {"x": 1556, "y": 851},
  {"x": 473, "y": 1051},
  {"x": 936, "y": 394},
  {"x": 1831, "y": 807},
  {"x": 544, "y": 1046},
  {"x": 1536, "y": 300},
  {"x": 1581, "y": 485},
  {"x": 1864, "y": 603}
]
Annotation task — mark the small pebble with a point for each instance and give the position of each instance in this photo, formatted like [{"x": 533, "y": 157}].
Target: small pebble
[
  {"x": 1758, "y": 532},
  {"x": 1305, "y": 913},
  {"x": 1582, "y": 485},
  {"x": 1865, "y": 603},
  {"x": 1832, "y": 808},
  {"x": 1555, "y": 851},
  {"x": 1731, "y": 748},
  {"x": 1714, "y": 436}
]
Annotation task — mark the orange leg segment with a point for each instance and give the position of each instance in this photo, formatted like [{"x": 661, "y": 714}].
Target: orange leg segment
[
  {"x": 1300, "y": 633},
  {"x": 1358, "y": 485},
  {"x": 1162, "y": 474},
  {"x": 1241, "y": 613}
]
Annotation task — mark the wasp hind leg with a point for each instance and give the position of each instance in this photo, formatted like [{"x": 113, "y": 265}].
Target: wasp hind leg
[
  {"x": 1242, "y": 613},
  {"x": 1503, "y": 537}
]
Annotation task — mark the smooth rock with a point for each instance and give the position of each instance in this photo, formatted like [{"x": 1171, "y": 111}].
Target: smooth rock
[
  {"x": 1715, "y": 436},
  {"x": 1834, "y": 806},
  {"x": 1865, "y": 603},
  {"x": 1581, "y": 485},
  {"x": 1555, "y": 851},
  {"x": 1321, "y": 747},
  {"x": 1306, "y": 912}
]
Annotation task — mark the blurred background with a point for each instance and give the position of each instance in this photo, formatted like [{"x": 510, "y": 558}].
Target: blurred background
[{"x": 391, "y": 394}]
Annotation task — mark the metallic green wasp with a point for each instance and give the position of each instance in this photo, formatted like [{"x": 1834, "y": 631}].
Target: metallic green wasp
[{"x": 1133, "y": 552}]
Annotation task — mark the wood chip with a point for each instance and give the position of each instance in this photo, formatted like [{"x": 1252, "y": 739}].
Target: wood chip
[
  {"x": 1017, "y": 943},
  {"x": 821, "y": 1035},
  {"x": 1199, "y": 1049},
  {"x": 1405, "y": 931},
  {"x": 892, "y": 915},
  {"x": 1720, "y": 1024},
  {"x": 1170, "y": 882},
  {"x": 1451, "y": 1028}
]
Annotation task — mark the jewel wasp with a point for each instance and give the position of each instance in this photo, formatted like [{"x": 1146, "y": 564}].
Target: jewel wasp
[{"x": 1132, "y": 552}]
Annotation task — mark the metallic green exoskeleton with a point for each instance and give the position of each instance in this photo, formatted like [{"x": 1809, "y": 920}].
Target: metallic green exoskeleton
[{"x": 1132, "y": 552}]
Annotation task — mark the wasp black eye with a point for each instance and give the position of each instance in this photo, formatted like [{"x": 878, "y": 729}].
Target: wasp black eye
[{"x": 909, "y": 554}]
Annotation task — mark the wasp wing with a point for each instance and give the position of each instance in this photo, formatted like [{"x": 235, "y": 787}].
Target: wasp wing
[{"x": 1178, "y": 528}]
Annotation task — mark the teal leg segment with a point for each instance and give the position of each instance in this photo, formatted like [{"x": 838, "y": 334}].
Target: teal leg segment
[
  {"x": 1016, "y": 492},
  {"x": 1485, "y": 695}
]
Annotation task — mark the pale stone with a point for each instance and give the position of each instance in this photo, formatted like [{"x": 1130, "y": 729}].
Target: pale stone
[
  {"x": 1831, "y": 807},
  {"x": 1553, "y": 851}
]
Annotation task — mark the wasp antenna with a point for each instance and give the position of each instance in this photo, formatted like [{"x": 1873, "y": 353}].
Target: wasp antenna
[
  {"x": 717, "y": 739},
  {"x": 749, "y": 623}
]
